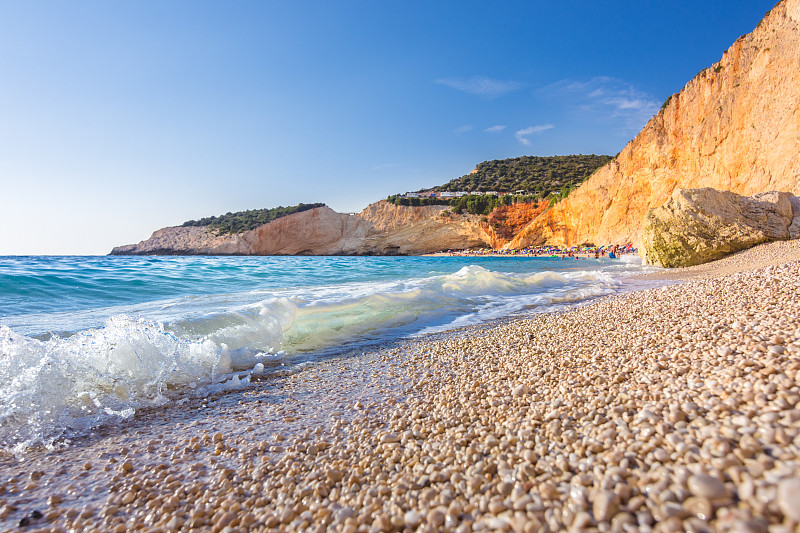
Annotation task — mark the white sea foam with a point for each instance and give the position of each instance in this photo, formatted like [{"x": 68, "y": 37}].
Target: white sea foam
[
  {"x": 66, "y": 386},
  {"x": 631, "y": 259},
  {"x": 62, "y": 387}
]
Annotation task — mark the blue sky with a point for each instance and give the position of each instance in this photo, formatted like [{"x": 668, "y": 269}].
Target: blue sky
[{"x": 118, "y": 118}]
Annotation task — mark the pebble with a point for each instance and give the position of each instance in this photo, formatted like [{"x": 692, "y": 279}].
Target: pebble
[
  {"x": 706, "y": 486},
  {"x": 520, "y": 390},
  {"x": 789, "y": 498},
  {"x": 412, "y": 519},
  {"x": 699, "y": 507},
  {"x": 604, "y": 505},
  {"x": 335, "y": 475},
  {"x": 436, "y": 517},
  {"x": 389, "y": 438}
]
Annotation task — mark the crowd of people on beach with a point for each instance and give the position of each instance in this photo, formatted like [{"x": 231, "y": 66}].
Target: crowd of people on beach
[{"x": 613, "y": 251}]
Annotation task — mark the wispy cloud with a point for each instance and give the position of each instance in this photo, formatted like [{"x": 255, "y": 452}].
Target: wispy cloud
[
  {"x": 481, "y": 86},
  {"x": 523, "y": 135},
  {"x": 494, "y": 129},
  {"x": 606, "y": 96},
  {"x": 385, "y": 166},
  {"x": 464, "y": 129}
]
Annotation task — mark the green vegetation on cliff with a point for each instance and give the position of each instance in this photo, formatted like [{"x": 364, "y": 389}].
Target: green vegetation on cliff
[
  {"x": 246, "y": 220},
  {"x": 536, "y": 176},
  {"x": 527, "y": 178},
  {"x": 472, "y": 204}
]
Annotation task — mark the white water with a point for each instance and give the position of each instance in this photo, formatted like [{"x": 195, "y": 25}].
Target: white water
[{"x": 60, "y": 387}]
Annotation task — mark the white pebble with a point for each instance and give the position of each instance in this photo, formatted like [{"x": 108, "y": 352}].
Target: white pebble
[{"x": 789, "y": 498}]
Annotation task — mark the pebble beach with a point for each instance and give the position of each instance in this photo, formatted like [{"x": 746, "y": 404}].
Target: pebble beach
[{"x": 669, "y": 409}]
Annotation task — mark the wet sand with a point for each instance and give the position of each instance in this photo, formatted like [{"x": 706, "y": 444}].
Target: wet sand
[{"x": 669, "y": 409}]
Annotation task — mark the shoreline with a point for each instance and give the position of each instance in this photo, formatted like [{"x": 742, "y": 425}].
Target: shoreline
[
  {"x": 560, "y": 254},
  {"x": 672, "y": 406}
]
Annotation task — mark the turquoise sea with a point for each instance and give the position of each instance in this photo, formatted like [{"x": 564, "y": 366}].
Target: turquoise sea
[{"x": 86, "y": 341}]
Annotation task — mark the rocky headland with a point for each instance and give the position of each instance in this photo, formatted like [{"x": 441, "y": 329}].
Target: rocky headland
[{"x": 380, "y": 229}]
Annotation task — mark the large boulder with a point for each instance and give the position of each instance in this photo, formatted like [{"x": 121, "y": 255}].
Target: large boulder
[{"x": 696, "y": 226}]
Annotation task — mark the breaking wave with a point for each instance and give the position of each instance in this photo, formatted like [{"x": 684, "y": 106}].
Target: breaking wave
[{"x": 63, "y": 385}]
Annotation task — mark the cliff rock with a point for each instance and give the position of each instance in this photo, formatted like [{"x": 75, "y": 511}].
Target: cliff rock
[
  {"x": 734, "y": 127},
  {"x": 409, "y": 230},
  {"x": 191, "y": 240},
  {"x": 696, "y": 226},
  {"x": 319, "y": 231},
  {"x": 381, "y": 229},
  {"x": 506, "y": 221}
]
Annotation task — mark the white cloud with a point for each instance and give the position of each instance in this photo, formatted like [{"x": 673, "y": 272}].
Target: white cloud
[
  {"x": 606, "y": 96},
  {"x": 524, "y": 134},
  {"x": 494, "y": 129},
  {"x": 480, "y": 85},
  {"x": 463, "y": 129}
]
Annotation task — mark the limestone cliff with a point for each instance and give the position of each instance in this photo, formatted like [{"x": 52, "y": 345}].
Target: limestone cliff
[
  {"x": 381, "y": 229},
  {"x": 734, "y": 127},
  {"x": 320, "y": 231},
  {"x": 419, "y": 230},
  {"x": 191, "y": 240}
]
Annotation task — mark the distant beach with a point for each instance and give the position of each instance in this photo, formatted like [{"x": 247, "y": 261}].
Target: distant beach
[
  {"x": 673, "y": 408},
  {"x": 572, "y": 252}
]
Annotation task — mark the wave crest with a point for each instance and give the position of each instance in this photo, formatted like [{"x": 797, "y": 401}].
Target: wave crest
[{"x": 64, "y": 386}]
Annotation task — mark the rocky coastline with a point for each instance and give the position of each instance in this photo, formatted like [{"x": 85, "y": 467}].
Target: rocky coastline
[{"x": 380, "y": 229}]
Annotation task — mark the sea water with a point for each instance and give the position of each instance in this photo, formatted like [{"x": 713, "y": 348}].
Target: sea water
[{"x": 86, "y": 341}]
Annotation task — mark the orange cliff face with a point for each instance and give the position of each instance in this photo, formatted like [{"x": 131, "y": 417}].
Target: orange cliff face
[
  {"x": 506, "y": 221},
  {"x": 734, "y": 127}
]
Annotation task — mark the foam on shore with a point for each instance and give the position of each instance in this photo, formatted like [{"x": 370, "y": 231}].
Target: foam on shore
[{"x": 63, "y": 387}]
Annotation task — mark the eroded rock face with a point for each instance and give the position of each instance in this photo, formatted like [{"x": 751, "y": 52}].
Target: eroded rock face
[
  {"x": 506, "y": 221},
  {"x": 734, "y": 127},
  {"x": 419, "y": 230},
  {"x": 192, "y": 240},
  {"x": 319, "y": 231},
  {"x": 699, "y": 225},
  {"x": 381, "y": 229}
]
